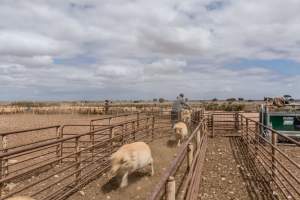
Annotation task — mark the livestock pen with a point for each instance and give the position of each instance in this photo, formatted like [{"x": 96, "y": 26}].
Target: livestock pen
[{"x": 69, "y": 157}]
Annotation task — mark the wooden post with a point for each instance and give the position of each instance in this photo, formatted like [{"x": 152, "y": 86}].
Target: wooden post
[
  {"x": 77, "y": 160},
  {"x": 204, "y": 126},
  {"x": 274, "y": 144},
  {"x": 152, "y": 128},
  {"x": 190, "y": 151},
  {"x": 198, "y": 136},
  {"x": 212, "y": 125},
  {"x": 171, "y": 189}
]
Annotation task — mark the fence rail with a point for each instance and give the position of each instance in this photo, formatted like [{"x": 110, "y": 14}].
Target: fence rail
[
  {"x": 68, "y": 158},
  {"x": 181, "y": 180},
  {"x": 261, "y": 143},
  {"x": 63, "y": 164},
  {"x": 279, "y": 168}
]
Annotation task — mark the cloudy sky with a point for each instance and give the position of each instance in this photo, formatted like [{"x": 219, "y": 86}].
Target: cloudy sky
[{"x": 131, "y": 49}]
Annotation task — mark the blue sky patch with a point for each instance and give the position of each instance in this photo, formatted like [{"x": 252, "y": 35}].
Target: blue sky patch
[
  {"x": 215, "y": 5},
  {"x": 282, "y": 66}
]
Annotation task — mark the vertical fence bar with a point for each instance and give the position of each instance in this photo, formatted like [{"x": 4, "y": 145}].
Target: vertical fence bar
[
  {"x": 133, "y": 130},
  {"x": 1, "y": 175},
  {"x": 212, "y": 125},
  {"x": 138, "y": 120},
  {"x": 57, "y": 137},
  {"x": 61, "y": 144},
  {"x": 242, "y": 124},
  {"x": 123, "y": 134},
  {"x": 190, "y": 151},
  {"x": 171, "y": 189},
  {"x": 198, "y": 137},
  {"x": 59, "y": 150},
  {"x": 247, "y": 129},
  {"x": 256, "y": 138},
  {"x": 147, "y": 127},
  {"x": 77, "y": 160},
  {"x": 237, "y": 121},
  {"x": 4, "y": 150},
  {"x": 152, "y": 128},
  {"x": 111, "y": 135},
  {"x": 92, "y": 125},
  {"x": 274, "y": 144},
  {"x": 92, "y": 137}
]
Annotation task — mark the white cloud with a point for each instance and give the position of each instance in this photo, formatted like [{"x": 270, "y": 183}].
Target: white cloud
[
  {"x": 27, "y": 44},
  {"x": 147, "y": 48}
]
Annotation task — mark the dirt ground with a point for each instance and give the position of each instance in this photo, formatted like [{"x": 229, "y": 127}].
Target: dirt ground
[
  {"x": 16, "y": 122},
  {"x": 27, "y": 121},
  {"x": 229, "y": 174},
  {"x": 140, "y": 183}
]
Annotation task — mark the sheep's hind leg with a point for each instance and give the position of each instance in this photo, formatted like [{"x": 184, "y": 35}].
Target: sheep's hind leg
[
  {"x": 178, "y": 144},
  {"x": 124, "y": 182}
]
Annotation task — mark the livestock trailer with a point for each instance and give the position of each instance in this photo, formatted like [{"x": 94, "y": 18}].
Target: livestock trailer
[{"x": 285, "y": 120}]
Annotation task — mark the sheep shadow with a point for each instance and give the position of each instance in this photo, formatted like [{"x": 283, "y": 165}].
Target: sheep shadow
[
  {"x": 172, "y": 143},
  {"x": 114, "y": 183}
]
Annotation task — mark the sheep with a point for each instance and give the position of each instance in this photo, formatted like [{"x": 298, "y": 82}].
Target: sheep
[
  {"x": 186, "y": 116},
  {"x": 279, "y": 101},
  {"x": 129, "y": 158},
  {"x": 20, "y": 198},
  {"x": 181, "y": 131}
]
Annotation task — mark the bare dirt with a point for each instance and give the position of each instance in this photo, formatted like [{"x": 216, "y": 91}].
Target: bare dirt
[
  {"x": 229, "y": 174},
  {"x": 28, "y": 121}
]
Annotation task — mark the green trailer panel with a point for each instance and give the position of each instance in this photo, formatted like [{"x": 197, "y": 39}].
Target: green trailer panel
[{"x": 284, "y": 123}]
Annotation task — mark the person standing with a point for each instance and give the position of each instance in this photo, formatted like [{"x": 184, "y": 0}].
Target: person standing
[{"x": 177, "y": 107}]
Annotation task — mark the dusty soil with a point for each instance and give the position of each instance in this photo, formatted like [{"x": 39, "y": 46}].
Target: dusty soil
[
  {"x": 229, "y": 174},
  {"x": 30, "y": 121},
  {"x": 27, "y": 121},
  {"x": 140, "y": 183}
]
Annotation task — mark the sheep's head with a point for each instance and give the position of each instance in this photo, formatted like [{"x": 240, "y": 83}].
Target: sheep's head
[{"x": 178, "y": 130}]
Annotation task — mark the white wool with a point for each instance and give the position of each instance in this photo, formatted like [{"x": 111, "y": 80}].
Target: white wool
[{"x": 129, "y": 158}]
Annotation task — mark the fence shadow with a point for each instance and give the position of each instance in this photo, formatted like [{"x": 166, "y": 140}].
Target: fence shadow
[
  {"x": 257, "y": 181},
  {"x": 114, "y": 183}
]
